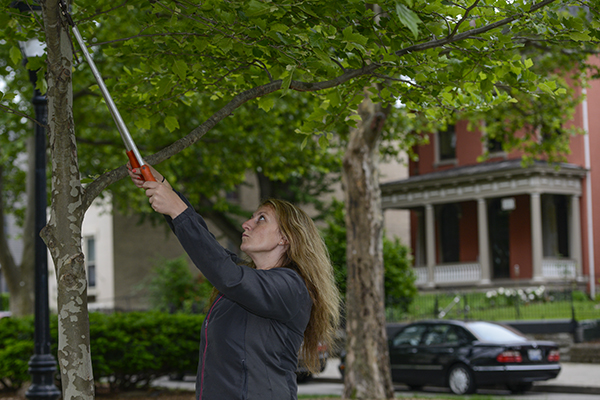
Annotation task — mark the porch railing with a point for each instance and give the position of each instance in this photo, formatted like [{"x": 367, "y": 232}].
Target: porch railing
[
  {"x": 467, "y": 272},
  {"x": 471, "y": 272},
  {"x": 559, "y": 269}
]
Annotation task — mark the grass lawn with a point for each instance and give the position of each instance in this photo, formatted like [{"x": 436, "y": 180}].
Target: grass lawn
[{"x": 504, "y": 305}]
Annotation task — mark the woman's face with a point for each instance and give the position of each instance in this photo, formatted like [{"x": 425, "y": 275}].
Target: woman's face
[{"x": 262, "y": 237}]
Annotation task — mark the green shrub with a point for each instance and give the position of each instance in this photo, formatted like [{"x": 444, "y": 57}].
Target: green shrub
[
  {"x": 128, "y": 349},
  {"x": 172, "y": 287},
  {"x": 4, "y": 301},
  {"x": 16, "y": 348}
]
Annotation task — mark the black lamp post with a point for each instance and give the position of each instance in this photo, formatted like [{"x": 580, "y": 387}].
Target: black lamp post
[{"x": 42, "y": 365}]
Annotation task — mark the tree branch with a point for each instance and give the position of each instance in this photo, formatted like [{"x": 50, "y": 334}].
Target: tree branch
[
  {"x": 20, "y": 114},
  {"x": 94, "y": 188},
  {"x": 473, "y": 32}
]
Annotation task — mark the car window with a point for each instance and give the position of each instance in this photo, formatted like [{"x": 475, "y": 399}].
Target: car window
[
  {"x": 409, "y": 336},
  {"x": 435, "y": 335},
  {"x": 494, "y": 333},
  {"x": 452, "y": 336}
]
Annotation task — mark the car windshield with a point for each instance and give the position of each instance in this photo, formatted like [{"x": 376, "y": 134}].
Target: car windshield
[{"x": 494, "y": 333}]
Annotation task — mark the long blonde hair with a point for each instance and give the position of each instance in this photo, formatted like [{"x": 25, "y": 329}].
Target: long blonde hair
[{"x": 308, "y": 255}]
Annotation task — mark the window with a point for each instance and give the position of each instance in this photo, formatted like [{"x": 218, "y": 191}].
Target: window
[
  {"x": 420, "y": 245},
  {"x": 555, "y": 226},
  {"x": 411, "y": 336},
  {"x": 494, "y": 146},
  {"x": 447, "y": 143},
  {"x": 91, "y": 260},
  {"x": 435, "y": 335},
  {"x": 449, "y": 233}
]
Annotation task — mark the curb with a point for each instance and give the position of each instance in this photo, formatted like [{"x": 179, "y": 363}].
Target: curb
[
  {"x": 566, "y": 389},
  {"x": 536, "y": 388}
]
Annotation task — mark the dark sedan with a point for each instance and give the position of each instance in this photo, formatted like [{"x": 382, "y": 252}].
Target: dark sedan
[{"x": 467, "y": 355}]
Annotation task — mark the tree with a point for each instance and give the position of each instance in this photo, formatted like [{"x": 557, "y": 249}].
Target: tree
[
  {"x": 399, "y": 280},
  {"x": 436, "y": 58}
]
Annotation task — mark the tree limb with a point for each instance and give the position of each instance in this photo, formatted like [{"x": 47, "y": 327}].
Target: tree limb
[{"x": 473, "y": 32}]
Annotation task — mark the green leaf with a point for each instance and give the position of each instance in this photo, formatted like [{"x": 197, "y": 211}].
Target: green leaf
[
  {"x": 15, "y": 54},
  {"x": 285, "y": 85},
  {"x": 164, "y": 86},
  {"x": 266, "y": 102},
  {"x": 580, "y": 36},
  {"x": 171, "y": 123},
  {"x": 180, "y": 68},
  {"x": 408, "y": 18},
  {"x": 143, "y": 123},
  {"x": 323, "y": 142},
  {"x": 256, "y": 8}
]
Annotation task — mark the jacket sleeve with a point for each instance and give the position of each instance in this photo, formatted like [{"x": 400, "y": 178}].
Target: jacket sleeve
[{"x": 278, "y": 293}]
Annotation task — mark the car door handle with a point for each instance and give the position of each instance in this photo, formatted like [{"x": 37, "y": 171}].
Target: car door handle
[{"x": 413, "y": 350}]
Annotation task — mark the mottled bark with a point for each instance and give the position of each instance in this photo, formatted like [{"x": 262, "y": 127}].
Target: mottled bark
[
  {"x": 368, "y": 371},
  {"x": 63, "y": 232}
]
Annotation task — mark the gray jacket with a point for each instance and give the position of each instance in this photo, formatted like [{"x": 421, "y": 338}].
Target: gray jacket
[{"x": 253, "y": 331}]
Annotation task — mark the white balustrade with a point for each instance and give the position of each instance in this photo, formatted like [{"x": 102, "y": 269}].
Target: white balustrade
[{"x": 559, "y": 269}]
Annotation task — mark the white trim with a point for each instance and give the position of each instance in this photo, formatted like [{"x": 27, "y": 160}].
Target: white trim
[{"x": 588, "y": 197}]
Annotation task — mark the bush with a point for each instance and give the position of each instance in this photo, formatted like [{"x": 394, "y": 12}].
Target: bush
[
  {"x": 16, "y": 348},
  {"x": 4, "y": 301},
  {"x": 173, "y": 288},
  {"x": 129, "y": 350}
]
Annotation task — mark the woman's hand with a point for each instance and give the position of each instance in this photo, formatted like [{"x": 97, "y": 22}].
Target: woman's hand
[
  {"x": 136, "y": 176},
  {"x": 160, "y": 194},
  {"x": 163, "y": 199}
]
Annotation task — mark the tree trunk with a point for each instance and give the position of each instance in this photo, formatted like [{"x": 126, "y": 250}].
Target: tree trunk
[
  {"x": 367, "y": 373},
  {"x": 63, "y": 232},
  {"x": 20, "y": 279}
]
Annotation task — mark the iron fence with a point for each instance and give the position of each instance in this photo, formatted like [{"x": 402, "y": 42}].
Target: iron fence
[{"x": 500, "y": 304}]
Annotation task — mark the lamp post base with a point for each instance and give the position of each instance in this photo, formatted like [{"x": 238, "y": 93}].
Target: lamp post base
[{"x": 42, "y": 368}]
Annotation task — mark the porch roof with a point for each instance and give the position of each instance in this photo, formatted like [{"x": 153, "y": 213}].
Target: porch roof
[{"x": 484, "y": 180}]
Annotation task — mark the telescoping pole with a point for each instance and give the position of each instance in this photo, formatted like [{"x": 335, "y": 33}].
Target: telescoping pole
[{"x": 133, "y": 153}]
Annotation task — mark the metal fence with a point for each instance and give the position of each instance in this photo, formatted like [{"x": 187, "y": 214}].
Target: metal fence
[{"x": 530, "y": 303}]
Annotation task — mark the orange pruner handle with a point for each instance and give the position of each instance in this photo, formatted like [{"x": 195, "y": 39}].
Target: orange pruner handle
[{"x": 146, "y": 173}]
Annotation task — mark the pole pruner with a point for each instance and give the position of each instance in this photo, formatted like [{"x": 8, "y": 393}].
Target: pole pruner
[{"x": 132, "y": 151}]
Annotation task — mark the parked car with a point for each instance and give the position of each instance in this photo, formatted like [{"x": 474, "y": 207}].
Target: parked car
[
  {"x": 465, "y": 355},
  {"x": 302, "y": 373}
]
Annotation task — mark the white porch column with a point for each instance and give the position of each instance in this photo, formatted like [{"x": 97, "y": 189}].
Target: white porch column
[
  {"x": 536, "y": 236},
  {"x": 575, "y": 235},
  {"x": 430, "y": 242},
  {"x": 484, "y": 243}
]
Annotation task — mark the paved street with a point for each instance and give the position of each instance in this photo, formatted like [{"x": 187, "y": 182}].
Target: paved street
[
  {"x": 581, "y": 381},
  {"x": 575, "y": 382}
]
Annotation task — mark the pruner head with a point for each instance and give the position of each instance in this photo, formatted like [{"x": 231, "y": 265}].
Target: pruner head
[{"x": 64, "y": 10}]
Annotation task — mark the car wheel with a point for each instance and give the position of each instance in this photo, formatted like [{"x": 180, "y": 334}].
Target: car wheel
[
  {"x": 460, "y": 379},
  {"x": 519, "y": 387}
]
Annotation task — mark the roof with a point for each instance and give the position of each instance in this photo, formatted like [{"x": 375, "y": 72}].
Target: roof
[{"x": 484, "y": 170}]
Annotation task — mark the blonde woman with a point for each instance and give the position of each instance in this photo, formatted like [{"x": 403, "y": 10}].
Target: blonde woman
[{"x": 267, "y": 310}]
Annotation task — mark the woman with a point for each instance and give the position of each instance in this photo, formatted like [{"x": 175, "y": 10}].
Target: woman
[{"x": 284, "y": 297}]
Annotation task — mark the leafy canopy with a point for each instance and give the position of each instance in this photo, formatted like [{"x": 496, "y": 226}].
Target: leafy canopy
[{"x": 174, "y": 68}]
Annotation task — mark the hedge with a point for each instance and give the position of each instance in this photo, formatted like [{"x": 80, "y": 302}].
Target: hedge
[{"x": 129, "y": 350}]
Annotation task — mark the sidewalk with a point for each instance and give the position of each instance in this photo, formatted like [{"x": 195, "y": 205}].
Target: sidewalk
[{"x": 573, "y": 378}]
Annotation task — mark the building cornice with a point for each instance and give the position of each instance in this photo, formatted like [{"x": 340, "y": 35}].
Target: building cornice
[{"x": 485, "y": 180}]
